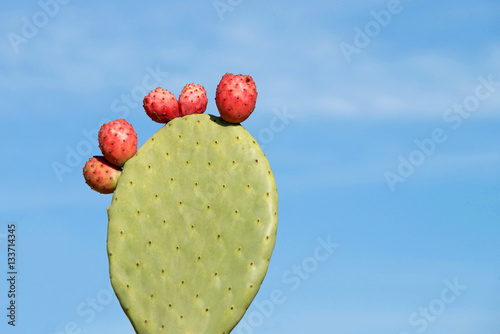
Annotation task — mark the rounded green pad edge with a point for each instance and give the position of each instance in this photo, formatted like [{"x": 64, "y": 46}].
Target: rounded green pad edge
[{"x": 192, "y": 226}]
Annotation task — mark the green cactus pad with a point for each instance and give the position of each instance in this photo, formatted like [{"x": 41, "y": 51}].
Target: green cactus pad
[{"x": 192, "y": 226}]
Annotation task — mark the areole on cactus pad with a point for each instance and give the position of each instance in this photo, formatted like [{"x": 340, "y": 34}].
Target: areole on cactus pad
[{"x": 192, "y": 227}]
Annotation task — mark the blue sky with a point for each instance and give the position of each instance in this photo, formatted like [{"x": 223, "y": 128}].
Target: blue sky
[{"x": 392, "y": 153}]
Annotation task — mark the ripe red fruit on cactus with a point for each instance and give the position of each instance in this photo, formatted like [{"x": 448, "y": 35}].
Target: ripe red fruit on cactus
[
  {"x": 235, "y": 97},
  {"x": 193, "y": 100},
  {"x": 101, "y": 175},
  {"x": 117, "y": 141},
  {"x": 161, "y": 105}
]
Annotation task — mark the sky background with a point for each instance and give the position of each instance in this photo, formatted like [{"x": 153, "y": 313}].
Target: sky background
[{"x": 370, "y": 148}]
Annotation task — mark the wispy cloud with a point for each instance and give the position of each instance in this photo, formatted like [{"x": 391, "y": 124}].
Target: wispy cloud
[{"x": 310, "y": 72}]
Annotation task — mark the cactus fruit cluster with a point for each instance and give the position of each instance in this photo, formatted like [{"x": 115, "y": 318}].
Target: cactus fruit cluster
[
  {"x": 118, "y": 143},
  {"x": 193, "y": 219}
]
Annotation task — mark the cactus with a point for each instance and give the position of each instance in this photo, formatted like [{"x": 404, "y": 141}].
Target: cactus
[{"x": 192, "y": 226}]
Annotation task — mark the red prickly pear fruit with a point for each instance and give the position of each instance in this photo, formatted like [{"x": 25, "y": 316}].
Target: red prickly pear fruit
[
  {"x": 193, "y": 100},
  {"x": 101, "y": 175},
  {"x": 161, "y": 105},
  {"x": 117, "y": 141},
  {"x": 235, "y": 97}
]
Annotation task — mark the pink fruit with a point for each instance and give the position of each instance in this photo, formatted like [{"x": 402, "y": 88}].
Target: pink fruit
[
  {"x": 235, "y": 97},
  {"x": 193, "y": 100},
  {"x": 117, "y": 141},
  {"x": 161, "y": 105},
  {"x": 100, "y": 175}
]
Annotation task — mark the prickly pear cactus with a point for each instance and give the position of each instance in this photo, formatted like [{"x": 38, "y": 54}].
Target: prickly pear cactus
[{"x": 192, "y": 226}]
